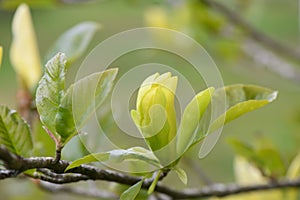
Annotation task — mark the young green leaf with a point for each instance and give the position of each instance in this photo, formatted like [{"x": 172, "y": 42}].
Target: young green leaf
[
  {"x": 118, "y": 155},
  {"x": 51, "y": 90},
  {"x": 55, "y": 105},
  {"x": 191, "y": 118},
  {"x": 132, "y": 192},
  {"x": 85, "y": 105},
  {"x": 89, "y": 93},
  {"x": 74, "y": 41},
  {"x": 15, "y": 134},
  {"x": 64, "y": 121},
  {"x": 181, "y": 174},
  {"x": 95, "y": 157},
  {"x": 241, "y": 99}
]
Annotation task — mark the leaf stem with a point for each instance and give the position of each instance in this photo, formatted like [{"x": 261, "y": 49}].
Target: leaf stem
[
  {"x": 58, "y": 144},
  {"x": 59, "y": 148},
  {"x": 156, "y": 176},
  {"x": 51, "y": 135}
]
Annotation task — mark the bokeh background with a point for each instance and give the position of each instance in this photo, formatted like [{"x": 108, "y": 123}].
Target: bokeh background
[{"x": 239, "y": 58}]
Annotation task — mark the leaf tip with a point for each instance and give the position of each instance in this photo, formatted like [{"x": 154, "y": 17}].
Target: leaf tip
[
  {"x": 272, "y": 96},
  {"x": 114, "y": 70}
]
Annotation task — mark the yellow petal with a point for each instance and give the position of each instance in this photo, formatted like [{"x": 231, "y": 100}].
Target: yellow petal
[
  {"x": 24, "y": 54},
  {"x": 146, "y": 85},
  {"x": 1, "y": 51}
]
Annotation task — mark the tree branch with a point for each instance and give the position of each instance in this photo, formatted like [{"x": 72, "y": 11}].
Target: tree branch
[
  {"x": 52, "y": 172},
  {"x": 260, "y": 37},
  {"x": 271, "y": 61},
  {"x": 7, "y": 173}
]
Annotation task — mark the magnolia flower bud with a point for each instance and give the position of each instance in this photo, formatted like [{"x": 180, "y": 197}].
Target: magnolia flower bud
[
  {"x": 24, "y": 53},
  {"x": 155, "y": 114}
]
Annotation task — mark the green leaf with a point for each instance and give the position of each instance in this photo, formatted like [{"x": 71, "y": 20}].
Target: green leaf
[
  {"x": 55, "y": 105},
  {"x": 181, "y": 175},
  {"x": 241, "y": 99},
  {"x": 86, "y": 100},
  {"x": 74, "y": 41},
  {"x": 89, "y": 93},
  {"x": 51, "y": 90},
  {"x": 118, "y": 156},
  {"x": 95, "y": 157},
  {"x": 64, "y": 121},
  {"x": 191, "y": 119},
  {"x": 15, "y": 134},
  {"x": 132, "y": 192}
]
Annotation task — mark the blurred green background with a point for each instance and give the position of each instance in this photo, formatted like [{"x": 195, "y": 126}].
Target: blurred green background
[{"x": 279, "y": 122}]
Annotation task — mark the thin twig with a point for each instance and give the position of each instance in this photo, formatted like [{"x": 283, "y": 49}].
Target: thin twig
[
  {"x": 271, "y": 61},
  {"x": 260, "y": 37}
]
